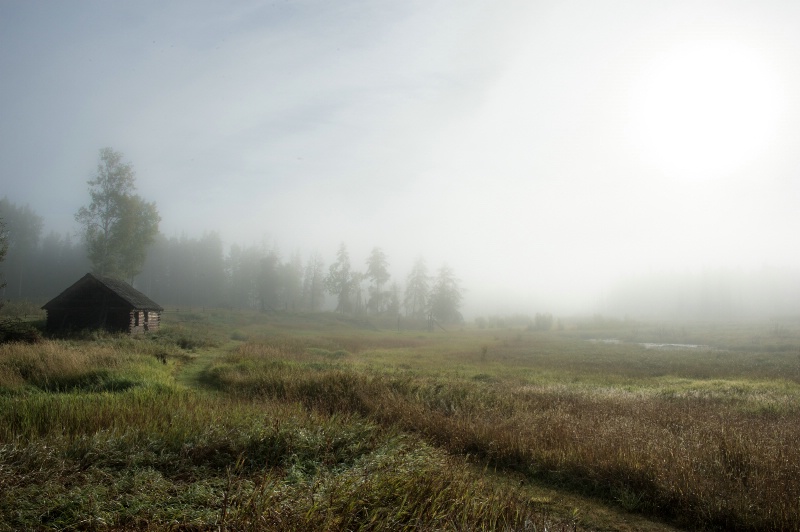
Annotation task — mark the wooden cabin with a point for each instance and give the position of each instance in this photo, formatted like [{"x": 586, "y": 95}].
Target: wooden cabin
[{"x": 96, "y": 302}]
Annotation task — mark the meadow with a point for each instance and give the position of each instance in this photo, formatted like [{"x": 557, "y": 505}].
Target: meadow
[{"x": 232, "y": 420}]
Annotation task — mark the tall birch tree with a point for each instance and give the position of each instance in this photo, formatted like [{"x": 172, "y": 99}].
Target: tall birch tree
[{"x": 118, "y": 225}]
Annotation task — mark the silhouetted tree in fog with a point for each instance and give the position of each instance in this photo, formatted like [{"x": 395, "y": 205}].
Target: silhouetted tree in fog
[
  {"x": 445, "y": 297},
  {"x": 378, "y": 273},
  {"x": 417, "y": 288},
  {"x": 118, "y": 225},
  {"x": 136, "y": 233},
  {"x": 314, "y": 283},
  {"x": 155, "y": 277},
  {"x": 244, "y": 270},
  {"x": 210, "y": 269},
  {"x": 268, "y": 282},
  {"x": 290, "y": 291},
  {"x": 339, "y": 281},
  {"x": 356, "y": 278},
  {"x": 185, "y": 271},
  {"x": 35, "y": 268},
  {"x": 23, "y": 230},
  {"x": 393, "y": 300},
  {"x": 59, "y": 262}
]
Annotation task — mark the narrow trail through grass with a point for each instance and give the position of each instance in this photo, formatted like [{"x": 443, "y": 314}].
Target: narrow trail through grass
[{"x": 189, "y": 373}]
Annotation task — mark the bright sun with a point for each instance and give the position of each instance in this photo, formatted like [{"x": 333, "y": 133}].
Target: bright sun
[{"x": 704, "y": 109}]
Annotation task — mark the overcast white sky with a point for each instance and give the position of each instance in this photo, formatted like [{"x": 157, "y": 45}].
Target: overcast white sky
[{"x": 540, "y": 148}]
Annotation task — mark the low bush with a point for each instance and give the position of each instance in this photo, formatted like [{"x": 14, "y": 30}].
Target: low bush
[{"x": 16, "y": 330}]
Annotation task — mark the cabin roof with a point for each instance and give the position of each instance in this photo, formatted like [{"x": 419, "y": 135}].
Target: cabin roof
[{"x": 122, "y": 290}]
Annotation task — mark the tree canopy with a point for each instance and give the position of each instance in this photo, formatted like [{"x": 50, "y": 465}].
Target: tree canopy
[
  {"x": 445, "y": 297},
  {"x": 314, "y": 283},
  {"x": 118, "y": 225},
  {"x": 339, "y": 281},
  {"x": 417, "y": 288},
  {"x": 378, "y": 273}
]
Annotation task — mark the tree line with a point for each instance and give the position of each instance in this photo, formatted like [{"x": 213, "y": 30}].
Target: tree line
[{"x": 119, "y": 238}]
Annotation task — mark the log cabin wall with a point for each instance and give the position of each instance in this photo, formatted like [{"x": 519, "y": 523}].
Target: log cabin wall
[
  {"x": 153, "y": 324},
  {"x": 144, "y": 321}
]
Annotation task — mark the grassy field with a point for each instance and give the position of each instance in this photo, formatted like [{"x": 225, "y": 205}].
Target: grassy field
[{"x": 235, "y": 420}]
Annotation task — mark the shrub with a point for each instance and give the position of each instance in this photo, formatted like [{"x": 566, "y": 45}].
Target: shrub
[{"x": 15, "y": 330}]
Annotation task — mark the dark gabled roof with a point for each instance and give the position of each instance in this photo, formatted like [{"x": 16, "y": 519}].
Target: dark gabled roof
[
  {"x": 121, "y": 289},
  {"x": 128, "y": 293}
]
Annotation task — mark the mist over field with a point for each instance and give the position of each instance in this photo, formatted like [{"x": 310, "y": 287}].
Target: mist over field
[{"x": 627, "y": 159}]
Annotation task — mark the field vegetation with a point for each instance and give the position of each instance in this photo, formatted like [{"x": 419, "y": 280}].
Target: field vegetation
[{"x": 244, "y": 420}]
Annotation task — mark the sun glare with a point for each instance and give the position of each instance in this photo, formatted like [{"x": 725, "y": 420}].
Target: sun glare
[{"x": 704, "y": 109}]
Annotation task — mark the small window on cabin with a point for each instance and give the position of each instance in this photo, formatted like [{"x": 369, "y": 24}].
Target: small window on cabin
[
  {"x": 136, "y": 319},
  {"x": 146, "y": 316}
]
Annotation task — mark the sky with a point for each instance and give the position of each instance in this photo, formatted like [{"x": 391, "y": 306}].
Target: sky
[{"x": 542, "y": 149}]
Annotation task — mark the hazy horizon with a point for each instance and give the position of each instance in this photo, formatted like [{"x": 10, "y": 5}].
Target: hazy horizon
[{"x": 544, "y": 150}]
